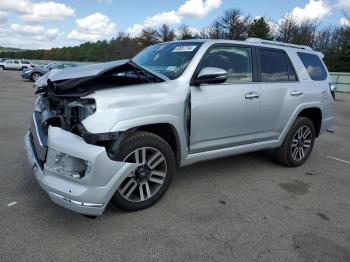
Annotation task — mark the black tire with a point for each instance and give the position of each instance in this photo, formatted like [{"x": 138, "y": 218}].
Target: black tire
[
  {"x": 24, "y": 68},
  {"x": 135, "y": 141},
  {"x": 284, "y": 154},
  {"x": 32, "y": 77},
  {"x": 2, "y": 68}
]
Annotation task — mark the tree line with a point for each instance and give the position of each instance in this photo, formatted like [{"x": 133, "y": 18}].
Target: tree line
[{"x": 332, "y": 40}]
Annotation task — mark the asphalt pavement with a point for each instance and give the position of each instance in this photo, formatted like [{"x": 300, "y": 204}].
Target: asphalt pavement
[{"x": 241, "y": 208}]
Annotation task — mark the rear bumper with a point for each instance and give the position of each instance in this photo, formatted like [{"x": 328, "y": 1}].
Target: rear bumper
[{"x": 88, "y": 195}]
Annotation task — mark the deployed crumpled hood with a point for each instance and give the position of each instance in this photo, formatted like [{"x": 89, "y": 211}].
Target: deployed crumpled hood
[
  {"x": 83, "y": 80},
  {"x": 85, "y": 70}
]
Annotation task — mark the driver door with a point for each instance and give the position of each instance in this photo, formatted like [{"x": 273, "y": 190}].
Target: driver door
[{"x": 225, "y": 115}]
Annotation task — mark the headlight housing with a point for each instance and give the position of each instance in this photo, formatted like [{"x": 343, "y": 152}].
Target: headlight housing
[{"x": 85, "y": 107}]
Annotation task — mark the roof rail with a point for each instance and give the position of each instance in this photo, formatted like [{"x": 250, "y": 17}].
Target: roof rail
[{"x": 267, "y": 42}]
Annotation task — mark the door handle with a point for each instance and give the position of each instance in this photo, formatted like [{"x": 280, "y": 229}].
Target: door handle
[
  {"x": 296, "y": 93},
  {"x": 252, "y": 95}
]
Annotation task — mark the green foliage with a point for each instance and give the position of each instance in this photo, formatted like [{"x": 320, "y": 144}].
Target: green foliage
[{"x": 260, "y": 28}]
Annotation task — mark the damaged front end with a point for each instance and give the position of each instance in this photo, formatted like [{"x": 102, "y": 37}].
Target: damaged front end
[{"x": 72, "y": 165}]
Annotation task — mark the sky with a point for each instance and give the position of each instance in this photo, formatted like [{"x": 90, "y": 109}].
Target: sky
[{"x": 36, "y": 24}]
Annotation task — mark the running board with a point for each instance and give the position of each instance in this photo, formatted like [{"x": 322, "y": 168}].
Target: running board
[{"x": 230, "y": 151}]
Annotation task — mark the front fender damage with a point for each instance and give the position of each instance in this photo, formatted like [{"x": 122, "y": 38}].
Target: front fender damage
[{"x": 77, "y": 175}]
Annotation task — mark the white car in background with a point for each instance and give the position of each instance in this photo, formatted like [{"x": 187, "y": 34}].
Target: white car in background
[{"x": 14, "y": 64}]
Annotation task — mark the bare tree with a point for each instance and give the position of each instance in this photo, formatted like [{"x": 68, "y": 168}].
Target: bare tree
[
  {"x": 215, "y": 31},
  {"x": 185, "y": 32},
  {"x": 305, "y": 33},
  {"x": 166, "y": 33},
  {"x": 323, "y": 38},
  {"x": 148, "y": 36},
  {"x": 287, "y": 28},
  {"x": 234, "y": 24}
]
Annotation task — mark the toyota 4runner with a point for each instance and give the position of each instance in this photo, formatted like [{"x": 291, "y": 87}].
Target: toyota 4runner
[{"x": 115, "y": 132}]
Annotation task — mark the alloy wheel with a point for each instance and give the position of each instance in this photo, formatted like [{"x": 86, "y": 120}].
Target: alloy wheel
[
  {"x": 301, "y": 143},
  {"x": 36, "y": 77},
  {"x": 147, "y": 178}
]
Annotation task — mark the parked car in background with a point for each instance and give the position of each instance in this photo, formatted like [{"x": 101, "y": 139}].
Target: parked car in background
[
  {"x": 115, "y": 132},
  {"x": 14, "y": 64},
  {"x": 34, "y": 74}
]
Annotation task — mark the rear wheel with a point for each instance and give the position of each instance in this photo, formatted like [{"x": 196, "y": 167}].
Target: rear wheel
[
  {"x": 35, "y": 76},
  {"x": 151, "y": 178},
  {"x": 2, "y": 68},
  {"x": 298, "y": 143}
]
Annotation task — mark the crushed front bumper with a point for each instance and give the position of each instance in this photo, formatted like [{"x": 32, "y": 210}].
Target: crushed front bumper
[{"x": 75, "y": 175}]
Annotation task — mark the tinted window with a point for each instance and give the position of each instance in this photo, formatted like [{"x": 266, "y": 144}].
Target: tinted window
[
  {"x": 16, "y": 62},
  {"x": 25, "y": 62},
  {"x": 313, "y": 66},
  {"x": 237, "y": 61},
  {"x": 274, "y": 66}
]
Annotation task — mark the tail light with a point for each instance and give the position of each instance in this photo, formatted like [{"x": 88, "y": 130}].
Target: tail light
[{"x": 333, "y": 89}]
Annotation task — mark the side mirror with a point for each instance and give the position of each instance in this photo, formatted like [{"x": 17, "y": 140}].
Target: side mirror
[{"x": 211, "y": 75}]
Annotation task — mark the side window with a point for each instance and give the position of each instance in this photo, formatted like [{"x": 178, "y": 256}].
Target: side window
[
  {"x": 9, "y": 62},
  {"x": 16, "y": 62},
  {"x": 237, "y": 61},
  {"x": 274, "y": 66},
  {"x": 313, "y": 66}
]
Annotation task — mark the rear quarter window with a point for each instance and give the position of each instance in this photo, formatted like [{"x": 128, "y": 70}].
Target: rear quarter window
[{"x": 314, "y": 66}]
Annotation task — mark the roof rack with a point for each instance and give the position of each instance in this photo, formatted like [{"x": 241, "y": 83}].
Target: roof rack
[{"x": 267, "y": 42}]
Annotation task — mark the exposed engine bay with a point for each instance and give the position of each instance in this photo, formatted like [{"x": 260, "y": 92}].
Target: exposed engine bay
[{"x": 61, "y": 103}]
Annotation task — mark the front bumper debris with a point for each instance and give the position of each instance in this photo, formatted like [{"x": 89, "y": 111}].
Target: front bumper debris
[{"x": 76, "y": 175}]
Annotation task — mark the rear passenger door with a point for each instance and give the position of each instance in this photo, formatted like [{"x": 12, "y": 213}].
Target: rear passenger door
[
  {"x": 281, "y": 92},
  {"x": 16, "y": 64}
]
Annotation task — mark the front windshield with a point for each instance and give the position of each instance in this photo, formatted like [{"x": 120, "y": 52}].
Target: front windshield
[{"x": 169, "y": 59}]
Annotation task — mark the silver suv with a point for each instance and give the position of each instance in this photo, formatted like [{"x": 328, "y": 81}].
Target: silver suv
[
  {"x": 15, "y": 64},
  {"x": 115, "y": 132}
]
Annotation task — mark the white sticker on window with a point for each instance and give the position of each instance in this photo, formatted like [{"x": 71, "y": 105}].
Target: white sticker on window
[{"x": 185, "y": 48}]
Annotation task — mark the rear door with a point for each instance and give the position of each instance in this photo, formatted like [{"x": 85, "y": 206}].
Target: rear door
[
  {"x": 9, "y": 64},
  {"x": 281, "y": 92},
  {"x": 16, "y": 64},
  {"x": 225, "y": 115}
]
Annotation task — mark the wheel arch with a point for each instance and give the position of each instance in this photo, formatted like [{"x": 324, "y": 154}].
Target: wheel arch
[
  {"x": 311, "y": 110},
  {"x": 315, "y": 115},
  {"x": 166, "y": 131}
]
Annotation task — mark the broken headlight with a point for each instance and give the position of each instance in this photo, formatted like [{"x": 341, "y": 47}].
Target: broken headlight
[{"x": 85, "y": 107}]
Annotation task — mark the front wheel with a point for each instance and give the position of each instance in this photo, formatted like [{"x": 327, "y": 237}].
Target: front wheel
[
  {"x": 298, "y": 143},
  {"x": 151, "y": 178},
  {"x": 35, "y": 76},
  {"x": 2, "y": 68}
]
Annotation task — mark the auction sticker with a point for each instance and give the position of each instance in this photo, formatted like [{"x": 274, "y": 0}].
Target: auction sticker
[{"x": 185, "y": 48}]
